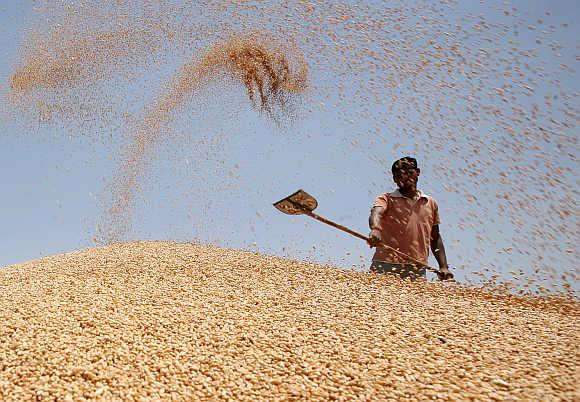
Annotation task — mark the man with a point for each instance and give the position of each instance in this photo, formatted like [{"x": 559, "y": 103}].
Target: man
[{"x": 408, "y": 221}]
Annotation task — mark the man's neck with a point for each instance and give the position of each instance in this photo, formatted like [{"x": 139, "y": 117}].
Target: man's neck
[{"x": 409, "y": 192}]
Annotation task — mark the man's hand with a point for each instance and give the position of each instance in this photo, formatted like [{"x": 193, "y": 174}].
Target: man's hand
[
  {"x": 444, "y": 274},
  {"x": 375, "y": 238}
]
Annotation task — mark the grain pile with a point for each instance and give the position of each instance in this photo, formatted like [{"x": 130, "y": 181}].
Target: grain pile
[{"x": 162, "y": 320}]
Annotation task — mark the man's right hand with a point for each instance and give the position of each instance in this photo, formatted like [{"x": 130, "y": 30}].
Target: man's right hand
[{"x": 374, "y": 238}]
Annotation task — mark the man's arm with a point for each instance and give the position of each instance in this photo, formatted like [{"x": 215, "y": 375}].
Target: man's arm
[
  {"x": 438, "y": 249},
  {"x": 375, "y": 225}
]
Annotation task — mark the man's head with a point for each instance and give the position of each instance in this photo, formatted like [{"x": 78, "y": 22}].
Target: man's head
[{"x": 406, "y": 173}]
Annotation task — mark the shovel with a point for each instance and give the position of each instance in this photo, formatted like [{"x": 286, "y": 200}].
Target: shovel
[{"x": 302, "y": 203}]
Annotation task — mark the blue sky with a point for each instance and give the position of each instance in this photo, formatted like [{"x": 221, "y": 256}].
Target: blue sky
[{"x": 215, "y": 181}]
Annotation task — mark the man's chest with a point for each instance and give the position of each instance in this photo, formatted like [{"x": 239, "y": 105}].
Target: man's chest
[{"x": 406, "y": 211}]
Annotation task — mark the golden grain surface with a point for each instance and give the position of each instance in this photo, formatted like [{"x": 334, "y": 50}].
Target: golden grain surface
[{"x": 183, "y": 321}]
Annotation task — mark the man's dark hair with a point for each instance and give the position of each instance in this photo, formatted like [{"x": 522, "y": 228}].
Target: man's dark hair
[{"x": 404, "y": 163}]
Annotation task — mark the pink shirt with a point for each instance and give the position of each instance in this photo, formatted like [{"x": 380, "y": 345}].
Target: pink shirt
[{"x": 406, "y": 226}]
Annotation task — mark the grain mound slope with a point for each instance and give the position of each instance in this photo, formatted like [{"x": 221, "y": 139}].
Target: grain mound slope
[{"x": 185, "y": 321}]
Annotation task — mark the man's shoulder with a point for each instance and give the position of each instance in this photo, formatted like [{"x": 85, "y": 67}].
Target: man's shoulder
[
  {"x": 382, "y": 195},
  {"x": 390, "y": 194},
  {"x": 429, "y": 197},
  {"x": 381, "y": 200}
]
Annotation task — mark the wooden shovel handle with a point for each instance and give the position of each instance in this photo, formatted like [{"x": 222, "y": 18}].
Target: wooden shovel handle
[{"x": 365, "y": 238}]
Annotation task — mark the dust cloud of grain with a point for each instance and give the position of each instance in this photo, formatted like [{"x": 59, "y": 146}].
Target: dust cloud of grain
[
  {"x": 490, "y": 106},
  {"x": 65, "y": 66},
  {"x": 257, "y": 61},
  {"x": 179, "y": 321}
]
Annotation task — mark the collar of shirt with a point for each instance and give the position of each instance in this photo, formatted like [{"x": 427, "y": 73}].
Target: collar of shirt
[{"x": 397, "y": 193}]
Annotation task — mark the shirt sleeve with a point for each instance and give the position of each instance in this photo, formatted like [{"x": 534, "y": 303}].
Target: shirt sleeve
[
  {"x": 381, "y": 201},
  {"x": 436, "y": 218}
]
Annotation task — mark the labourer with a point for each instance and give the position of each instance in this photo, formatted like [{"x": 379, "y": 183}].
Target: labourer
[{"x": 408, "y": 221}]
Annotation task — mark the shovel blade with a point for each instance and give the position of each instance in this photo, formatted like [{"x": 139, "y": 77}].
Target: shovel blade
[{"x": 297, "y": 204}]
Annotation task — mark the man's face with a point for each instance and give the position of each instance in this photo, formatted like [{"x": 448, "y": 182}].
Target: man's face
[{"x": 406, "y": 177}]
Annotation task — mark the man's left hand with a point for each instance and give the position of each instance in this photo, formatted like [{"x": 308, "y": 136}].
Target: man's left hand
[{"x": 444, "y": 274}]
